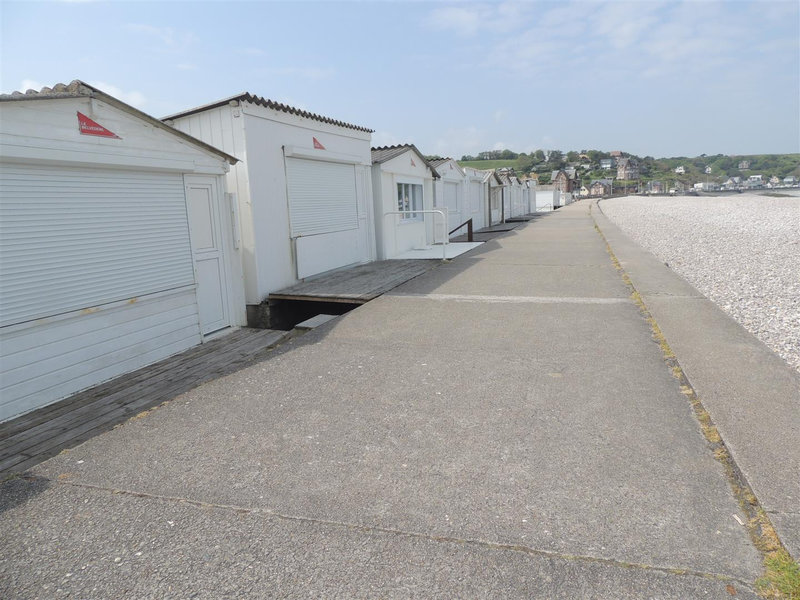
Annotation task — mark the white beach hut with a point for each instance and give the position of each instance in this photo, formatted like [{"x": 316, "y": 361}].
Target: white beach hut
[
  {"x": 402, "y": 181},
  {"x": 477, "y": 197},
  {"x": 450, "y": 192},
  {"x": 529, "y": 196},
  {"x": 118, "y": 243},
  {"x": 494, "y": 187},
  {"x": 303, "y": 188}
]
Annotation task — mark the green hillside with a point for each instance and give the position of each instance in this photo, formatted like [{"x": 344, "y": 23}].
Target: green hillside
[{"x": 489, "y": 164}]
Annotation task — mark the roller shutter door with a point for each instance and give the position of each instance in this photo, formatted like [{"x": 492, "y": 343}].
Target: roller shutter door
[
  {"x": 322, "y": 197},
  {"x": 72, "y": 239}
]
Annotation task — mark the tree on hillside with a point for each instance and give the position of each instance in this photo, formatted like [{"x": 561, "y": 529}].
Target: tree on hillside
[
  {"x": 573, "y": 156},
  {"x": 555, "y": 160}
]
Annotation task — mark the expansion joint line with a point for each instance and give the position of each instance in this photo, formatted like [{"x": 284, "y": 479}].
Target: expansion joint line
[
  {"x": 759, "y": 526},
  {"x": 443, "y": 539}
]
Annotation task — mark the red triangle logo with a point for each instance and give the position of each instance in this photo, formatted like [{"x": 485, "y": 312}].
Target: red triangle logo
[
  {"x": 88, "y": 127},
  {"x": 317, "y": 144}
]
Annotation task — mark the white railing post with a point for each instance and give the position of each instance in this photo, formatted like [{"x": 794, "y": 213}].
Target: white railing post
[{"x": 445, "y": 236}]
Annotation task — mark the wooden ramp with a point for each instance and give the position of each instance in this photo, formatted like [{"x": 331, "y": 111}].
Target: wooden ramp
[
  {"x": 38, "y": 435},
  {"x": 358, "y": 284}
]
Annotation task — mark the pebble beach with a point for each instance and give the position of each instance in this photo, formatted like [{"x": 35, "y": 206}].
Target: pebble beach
[{"x": 740, "y": 251}]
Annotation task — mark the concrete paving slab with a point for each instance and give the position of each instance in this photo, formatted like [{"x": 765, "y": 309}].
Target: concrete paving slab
[
  {"x": 543, "y": 444},
  {"x": 488, "y": 277},
  {"x": 751, "y": 394},
  {"x": 162, "y": 548},
  {"x": 544, "y": 253}
]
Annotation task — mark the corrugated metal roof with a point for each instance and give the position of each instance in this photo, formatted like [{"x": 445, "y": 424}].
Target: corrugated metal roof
[
  {"x": 384, "y": 153},
  {"x": 438, "y": 162},
  {"x": 267, "y": 103},
  {"x": 80, "y": 89}
]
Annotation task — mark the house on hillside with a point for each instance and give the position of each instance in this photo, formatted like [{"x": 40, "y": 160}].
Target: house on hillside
[
  {"x": 119, "y": 243},
  {"x": 755, "y": 181},
  {"x": 303, "y": 189},
  {"x": 744, "y": 165},
  {"x": 680, "y": 170},
  {"x": 562, "y": 181},
  {"x": 627, "y": 168},
  {"x": 607, "y": 163},
  {"x": 732, "y": 183},
  {"x": 655, "y": 187},
  {"x": 601, "y": 187},
  {"x": 402, "y": 182}
]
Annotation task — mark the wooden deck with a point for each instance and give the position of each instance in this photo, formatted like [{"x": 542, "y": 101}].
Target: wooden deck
[
  {"x": 356, "y": 285},
  {"x": 38, "y": 435}
]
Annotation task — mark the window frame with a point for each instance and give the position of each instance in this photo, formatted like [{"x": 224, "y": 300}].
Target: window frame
[{"x": 414, "y": 202}]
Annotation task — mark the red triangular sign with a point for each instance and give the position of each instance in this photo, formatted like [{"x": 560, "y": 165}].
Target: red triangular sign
[
  {"x": 317, "y": 145},
  {"x": 88, "y": 127}
]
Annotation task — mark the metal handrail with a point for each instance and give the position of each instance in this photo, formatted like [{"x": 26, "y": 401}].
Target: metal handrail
[
  {"x": 426, "y": 212},
  {"x": 468, "y": 223}
]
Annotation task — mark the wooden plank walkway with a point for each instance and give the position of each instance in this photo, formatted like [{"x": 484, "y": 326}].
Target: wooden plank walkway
[
  {"x": 38, "y": 435},
  {"x": 356, "y": 285}
]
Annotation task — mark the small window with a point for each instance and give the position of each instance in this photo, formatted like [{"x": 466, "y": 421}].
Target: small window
[{"x": 409, "y": 198}]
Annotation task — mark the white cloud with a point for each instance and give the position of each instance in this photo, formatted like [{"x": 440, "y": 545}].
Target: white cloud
[
  {"x": 169, "y": 38},
  {"x": 456, "y": 142},
  {"x": 134, "y": 98},
  {"x": 30, "y": 84},
  {"x": 462, "y": 20},
  {"x": 468, "y": 19}
]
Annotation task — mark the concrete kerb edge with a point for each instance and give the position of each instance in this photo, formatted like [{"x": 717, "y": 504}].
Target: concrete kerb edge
[{"x": 760, "y": 528}]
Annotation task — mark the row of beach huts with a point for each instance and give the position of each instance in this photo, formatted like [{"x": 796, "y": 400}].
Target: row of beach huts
[{"x": 126, "y": 238}]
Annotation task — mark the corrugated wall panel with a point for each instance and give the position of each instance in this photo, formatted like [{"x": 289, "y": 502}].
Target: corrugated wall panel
[
  {"x": 74, "y": 238},
  {"x": 322, "y": 196},
  {"x": 82, "y": 350}
]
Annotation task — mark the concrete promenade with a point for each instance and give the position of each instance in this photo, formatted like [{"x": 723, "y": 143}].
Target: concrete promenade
[{"x": 503, "y": 426}]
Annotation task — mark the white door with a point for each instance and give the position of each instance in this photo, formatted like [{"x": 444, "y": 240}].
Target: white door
[
  {"x": 208, "y": 251},
  {"x": 453, "y": 209},
  {"x": 476, "y": 190}
]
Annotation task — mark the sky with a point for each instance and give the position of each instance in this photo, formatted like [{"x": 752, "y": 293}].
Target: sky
[{"x": 650, "y": 78}]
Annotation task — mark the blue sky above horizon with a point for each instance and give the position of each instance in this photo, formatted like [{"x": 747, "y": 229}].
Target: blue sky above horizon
[{"x": 651, "y": 78}]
